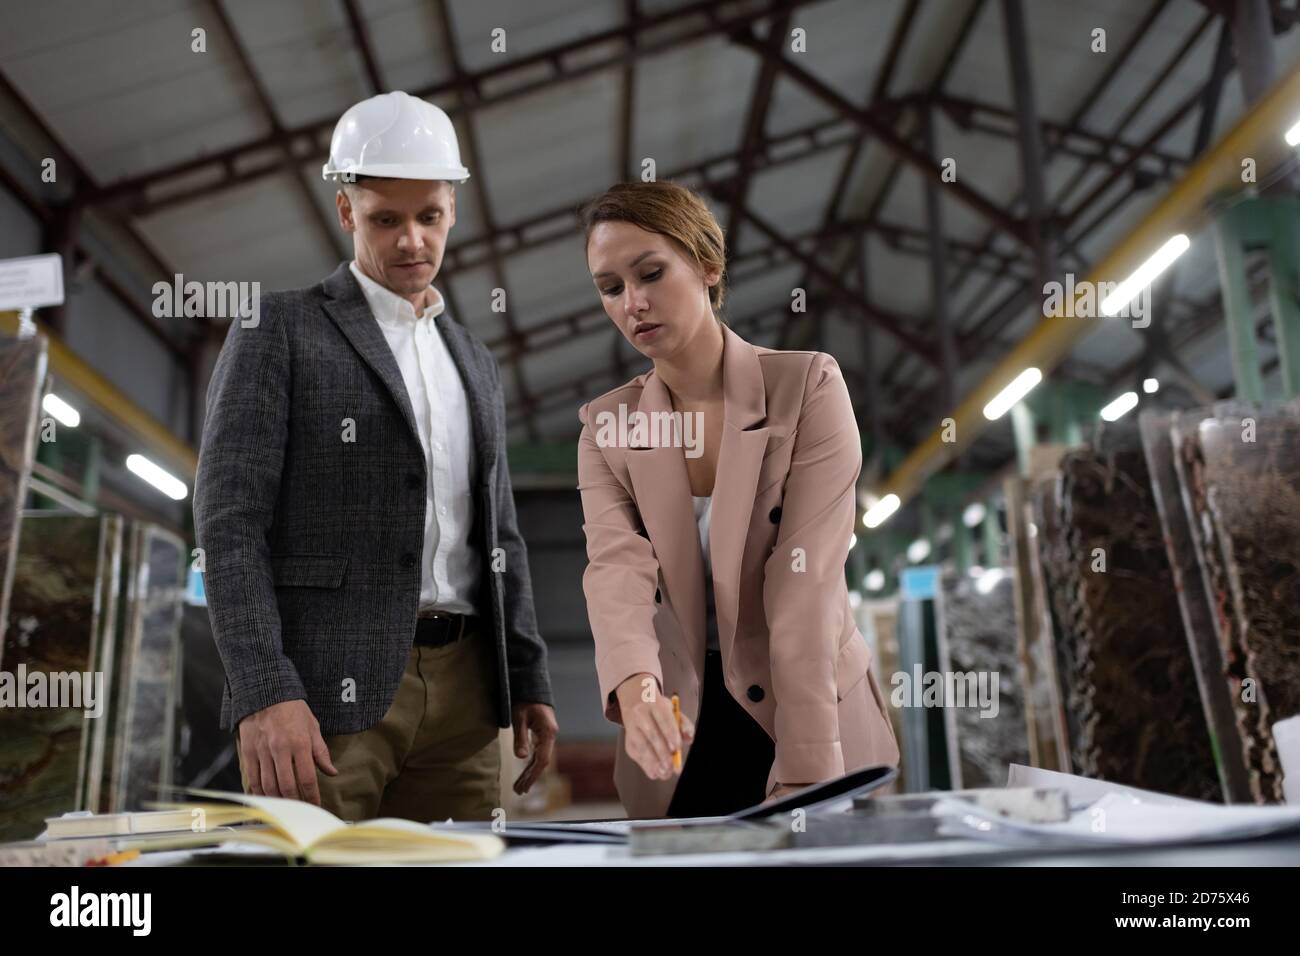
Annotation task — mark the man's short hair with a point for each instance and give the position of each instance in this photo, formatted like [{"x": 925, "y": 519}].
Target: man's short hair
[{"x": 349, "y": 185}]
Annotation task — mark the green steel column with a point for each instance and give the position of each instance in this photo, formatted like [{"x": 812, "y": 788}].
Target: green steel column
[
  {"x": 1237, "y": 310},
  {"x": 858, "y": 561},
  {"x": 90, "y": 477},
  {"x": 928, "y": 526},
  {"x": 992, "y": 538},
  {"x": 1072, "y": 404},
  {"x": 1022, "y": 425},
  {"x": 963, "y": 544},
  {"x": 1284, "y": 290},
  {"x": 48, "y": 453}
]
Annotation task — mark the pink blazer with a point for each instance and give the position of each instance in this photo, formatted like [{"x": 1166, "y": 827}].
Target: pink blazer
[{"x": 781, "y": 523}]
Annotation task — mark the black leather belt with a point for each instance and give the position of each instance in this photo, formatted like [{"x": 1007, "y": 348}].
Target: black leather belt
[{"x": 440, "y": 629}]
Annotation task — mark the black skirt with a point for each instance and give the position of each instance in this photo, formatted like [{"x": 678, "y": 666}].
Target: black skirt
[{"x": 731, "y": 757}]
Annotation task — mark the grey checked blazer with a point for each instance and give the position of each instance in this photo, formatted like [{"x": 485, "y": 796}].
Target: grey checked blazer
[{"x": 311, "y": 544}]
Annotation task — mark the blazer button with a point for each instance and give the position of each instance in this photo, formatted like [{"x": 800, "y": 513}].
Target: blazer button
[
  {"x": 413, "y": 481},
  {"x": 408, "y": 560},
  {"x": 659, "y": 598},
  {"x": 755, "y": 693},
  {"x": 774, "y": 515}
]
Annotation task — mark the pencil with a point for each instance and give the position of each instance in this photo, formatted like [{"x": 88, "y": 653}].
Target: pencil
[{"x": 677, "y": 716}]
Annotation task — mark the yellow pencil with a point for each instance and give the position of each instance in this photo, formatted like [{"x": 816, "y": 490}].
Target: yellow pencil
[{"x": 677, "y": 716}]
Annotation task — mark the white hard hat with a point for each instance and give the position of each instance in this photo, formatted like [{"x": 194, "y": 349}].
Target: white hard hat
[{"x": 395, "y": 136}]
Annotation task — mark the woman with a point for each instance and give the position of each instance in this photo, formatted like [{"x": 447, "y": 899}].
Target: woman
[{"x": 716, "y": 570}]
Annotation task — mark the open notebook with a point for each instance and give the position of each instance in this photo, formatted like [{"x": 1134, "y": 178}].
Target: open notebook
[
  {"x": 84, "y": 824},
  {"x": 307, "y": 832}
]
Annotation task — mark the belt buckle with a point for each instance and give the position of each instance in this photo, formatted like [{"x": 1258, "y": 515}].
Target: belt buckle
[{"x": 448, "y": 618}]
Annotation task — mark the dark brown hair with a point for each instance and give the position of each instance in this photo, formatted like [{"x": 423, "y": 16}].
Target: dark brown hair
[{"x": 669, "y": 210}]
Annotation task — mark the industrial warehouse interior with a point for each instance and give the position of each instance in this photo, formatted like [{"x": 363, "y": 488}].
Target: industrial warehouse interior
[{"x": 975, "y": 335}]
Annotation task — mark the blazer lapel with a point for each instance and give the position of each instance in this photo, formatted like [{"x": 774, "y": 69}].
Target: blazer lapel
[
  {"x": 740, "y": 457},
  {"x": 663, "y": 496},
  {"x": 348, "y": 308}
]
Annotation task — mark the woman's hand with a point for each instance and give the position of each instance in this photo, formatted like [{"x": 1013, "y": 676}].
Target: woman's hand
[
  {"x": 649, "y": 727},
  {"x": 784, "y": 790}
]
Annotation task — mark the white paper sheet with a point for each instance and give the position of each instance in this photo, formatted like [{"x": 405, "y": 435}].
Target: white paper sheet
[
  {"x": 1121, "y": 819},
  {"x": 1081, "y": 791}
]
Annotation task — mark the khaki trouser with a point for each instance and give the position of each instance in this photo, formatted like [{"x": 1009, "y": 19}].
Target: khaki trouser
[{"x": 434, "y": 755}]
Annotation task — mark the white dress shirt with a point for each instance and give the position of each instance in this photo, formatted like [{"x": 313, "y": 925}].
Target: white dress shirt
[{"x": 449, "y": 566}]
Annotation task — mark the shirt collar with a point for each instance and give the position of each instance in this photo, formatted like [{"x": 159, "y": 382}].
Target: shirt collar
[{"x": 389, "y": 307}]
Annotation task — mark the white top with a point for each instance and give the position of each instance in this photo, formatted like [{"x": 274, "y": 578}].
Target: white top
[
  {"x": 703, "y": 514},
  {"x": 703, "y": 511},
  {"x": 449, "y": 575}
]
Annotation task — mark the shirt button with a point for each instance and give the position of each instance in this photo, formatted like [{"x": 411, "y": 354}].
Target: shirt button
[
  {"x": 442, "y": 510},
  {"x": 438, "y": 445}
]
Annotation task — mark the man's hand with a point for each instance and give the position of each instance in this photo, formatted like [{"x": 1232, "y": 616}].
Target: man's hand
[
  {"x": 650, "y": 732},
  {"x": 280, "y": 747},
  {"x": 537, "y": 720}
]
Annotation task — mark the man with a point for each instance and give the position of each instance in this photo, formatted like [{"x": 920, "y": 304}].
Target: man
[{"x": 366, "y": 580}]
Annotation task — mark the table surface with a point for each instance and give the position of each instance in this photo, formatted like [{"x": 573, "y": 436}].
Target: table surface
[{"x": 1263, "y": 851}]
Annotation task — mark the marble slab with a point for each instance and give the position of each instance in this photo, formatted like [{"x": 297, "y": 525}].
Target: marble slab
[
  {"x": 22, "y": 381},
  {"x": 58, "y": 625},
  {"x": 148, "y": 669},
  {"x": 1137, "y": 715},
  {"x": 977, "y": 630},
  {"x": 1182, "y": 546},
  {"x": 1243, "y": 477}
]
